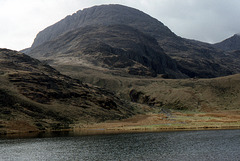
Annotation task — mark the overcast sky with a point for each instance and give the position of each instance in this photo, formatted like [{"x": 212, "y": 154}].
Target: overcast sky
[{"x": 204, "y": 20}]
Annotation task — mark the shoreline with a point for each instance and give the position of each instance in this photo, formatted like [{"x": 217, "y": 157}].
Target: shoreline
[
  {"x": 177, "y": 121},
  {"x": 144, "y": 123},
  {"x": 88, "y": 132},
  {"x": 92, "y": 132}
]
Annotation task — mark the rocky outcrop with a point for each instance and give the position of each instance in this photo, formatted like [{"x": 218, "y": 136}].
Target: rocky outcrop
[{"x": 230, "y": 44}]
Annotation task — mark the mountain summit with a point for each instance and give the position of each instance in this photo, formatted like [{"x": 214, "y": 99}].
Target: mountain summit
[
  {"x": 124, "y": 36},
  {"x": 230, "y": 44},
  {"x": 105, "y": 15},
  {"x": 119, "y": 39}
]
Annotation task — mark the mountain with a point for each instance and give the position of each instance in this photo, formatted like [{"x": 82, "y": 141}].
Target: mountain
[
  {"x": 34, "y": 96},
  {"x": 104, "y": 15},
  {"x": 230, "y": 44},
  {"x": 189, "y": 58},
  {"x": 116, "y": 48}
]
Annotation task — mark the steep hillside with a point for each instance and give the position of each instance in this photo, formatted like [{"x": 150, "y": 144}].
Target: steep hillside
[
  {"x": 115, "y": 48},
  {"x": 194, "y": 59},
  {"x": 230, "y": 44},
  {"x": 34, "y": 96}
]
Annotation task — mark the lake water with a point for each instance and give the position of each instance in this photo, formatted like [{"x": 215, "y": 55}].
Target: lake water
[{"x": 186, "y": 145}]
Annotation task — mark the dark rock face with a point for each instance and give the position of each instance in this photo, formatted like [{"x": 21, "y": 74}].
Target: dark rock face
[
  {"x": 190, "y": 58},
  {"x": 104, "y": 15},
  {"x": 114, "y": 46},
  {"x": 230, "y": 44}
]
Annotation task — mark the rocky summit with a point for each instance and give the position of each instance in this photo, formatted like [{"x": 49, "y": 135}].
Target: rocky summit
[
  {"x": 230, "y": 44},
  {"x": 104, "y": 15}
]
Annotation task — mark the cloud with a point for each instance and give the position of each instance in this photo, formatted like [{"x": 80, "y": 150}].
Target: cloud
[{"x": 205, "y": 20}]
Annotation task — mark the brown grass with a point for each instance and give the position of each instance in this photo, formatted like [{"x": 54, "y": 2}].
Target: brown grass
[{"x": 160, "y": 122}]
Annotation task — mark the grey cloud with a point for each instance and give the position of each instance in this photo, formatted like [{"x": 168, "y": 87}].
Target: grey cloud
[{"x": 204, "y": 20}]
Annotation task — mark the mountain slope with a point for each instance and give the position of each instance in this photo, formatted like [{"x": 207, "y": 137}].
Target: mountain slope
[
  {"x": 194, "y": 59},
  {"x": 230, "y": 44},
  {"x": 188, "y": 94},
  {"x": 116, "y": 47},
  {"x": 37, "y": 97}
]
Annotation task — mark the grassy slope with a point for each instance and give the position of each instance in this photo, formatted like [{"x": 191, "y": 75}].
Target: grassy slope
[
  {"x": 203, "y": 94},
  {"x": 193, "y": 103},
  {"x": 21, "y": 113},
  {"x": 221, "y": 93},
  {"x": 34, "y": 97}
]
